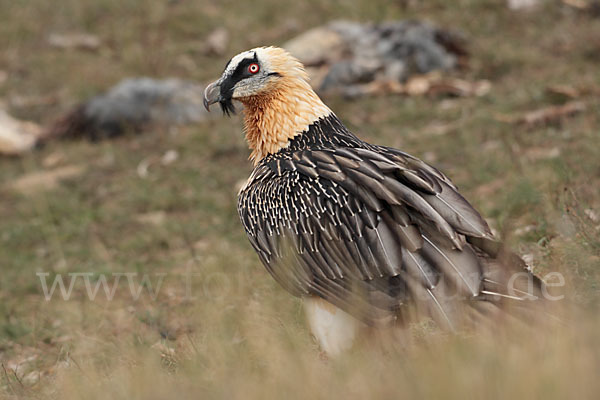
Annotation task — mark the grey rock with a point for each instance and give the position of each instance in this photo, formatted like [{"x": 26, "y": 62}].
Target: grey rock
[
  {"x": 135, "y": 104},
  {"x": 358, "y": 53}
]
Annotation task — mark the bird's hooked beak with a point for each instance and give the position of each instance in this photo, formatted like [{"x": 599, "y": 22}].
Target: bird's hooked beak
[{"x": 212, "y": 94}]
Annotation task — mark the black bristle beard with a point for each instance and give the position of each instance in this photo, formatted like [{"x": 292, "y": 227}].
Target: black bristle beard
[{"x": 227, "y": 107}]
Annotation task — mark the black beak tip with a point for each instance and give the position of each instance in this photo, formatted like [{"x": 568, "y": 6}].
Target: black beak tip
[{"x": 206, "y": 105}]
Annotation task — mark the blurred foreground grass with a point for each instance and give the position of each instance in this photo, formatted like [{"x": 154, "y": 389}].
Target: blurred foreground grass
[{"x": 220, "y": 326}]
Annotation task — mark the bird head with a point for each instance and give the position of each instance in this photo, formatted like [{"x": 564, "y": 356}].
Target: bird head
[
  {"x": 253, "y": 74},
  {"x": 279, "y": 103}
]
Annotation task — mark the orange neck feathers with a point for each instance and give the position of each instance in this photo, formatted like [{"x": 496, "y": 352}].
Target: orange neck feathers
[{"x": 279, "y": 113}]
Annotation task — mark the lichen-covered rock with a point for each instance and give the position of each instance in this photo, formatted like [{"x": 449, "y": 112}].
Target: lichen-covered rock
[
  {"x": 356, "y": 53},
  {"x": 134, "y": 104}
]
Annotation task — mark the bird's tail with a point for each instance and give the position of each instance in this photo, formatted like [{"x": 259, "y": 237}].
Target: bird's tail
[
  {"x": 504, "y": 289},
  {"x": 510, "y": 290}
]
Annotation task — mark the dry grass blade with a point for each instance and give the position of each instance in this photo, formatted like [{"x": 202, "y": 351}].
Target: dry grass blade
[
  {"x": 83, "y": 41},
  {"x": 545, "y": 116},
  {"x": 45, "y": 180},
  {"x": 552, "y": 114}
]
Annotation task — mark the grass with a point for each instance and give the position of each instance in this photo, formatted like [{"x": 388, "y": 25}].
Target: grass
[{"x": 231, "y": 332}]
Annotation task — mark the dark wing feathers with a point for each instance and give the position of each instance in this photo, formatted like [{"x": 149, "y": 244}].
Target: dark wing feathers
[
  {"x": 354, "y": 226},
  {"x": 458, "y": 212}
]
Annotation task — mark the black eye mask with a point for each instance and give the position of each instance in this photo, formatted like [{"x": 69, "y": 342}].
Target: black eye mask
[{"x": 241, "y": 72}]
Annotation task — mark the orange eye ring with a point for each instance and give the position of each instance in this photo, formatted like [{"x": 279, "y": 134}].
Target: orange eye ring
[{"x": 253, "y": 68}]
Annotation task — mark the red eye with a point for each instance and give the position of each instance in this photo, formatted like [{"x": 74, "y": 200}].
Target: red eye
[{"x": 253, "y": 68}]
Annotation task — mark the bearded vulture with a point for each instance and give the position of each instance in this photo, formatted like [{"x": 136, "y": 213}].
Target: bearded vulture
[{"x": 367, "y": 235}]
